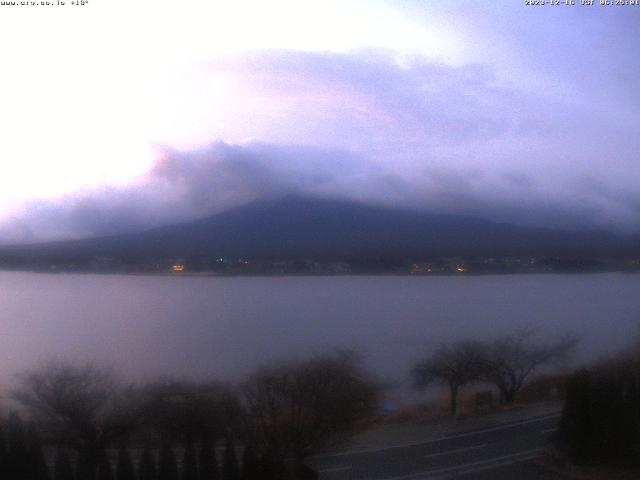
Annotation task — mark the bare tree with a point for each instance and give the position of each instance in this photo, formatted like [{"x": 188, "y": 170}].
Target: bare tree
[
  {"x": 510, "y": 360},
  {"x": 185, "y": 411},
  {"x": 454, "y": 365},
  {"x": 79, "y": 405},
  {"x": 295, "y": 409}
]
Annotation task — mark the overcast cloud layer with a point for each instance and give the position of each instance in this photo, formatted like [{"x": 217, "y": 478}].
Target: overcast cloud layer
[{"x": 520, "y": 115}]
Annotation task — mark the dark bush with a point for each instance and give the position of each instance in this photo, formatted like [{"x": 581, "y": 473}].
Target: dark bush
[
  {"x": 18, "y": 455},
  {"x": 208, "y": 461},
  {"x": 168, "y": 468},
  {"x": 62, "y": 469},
  {"x": 105, "y": 471},
  {"x": 4, "y": 454},
  {"x": 189, "y": 463},
  {"x": 600, "y": 421},
  {"x": 124, "y": 468},
  {"x": 230, "y": 470},
  {"x": 250, "y": 463},
  {"x": 147, "y": 468},
  {"x": 37, "y": 463}
]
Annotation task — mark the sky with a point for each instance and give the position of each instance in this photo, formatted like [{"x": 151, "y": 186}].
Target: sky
[{"x": 121, "y": 115}]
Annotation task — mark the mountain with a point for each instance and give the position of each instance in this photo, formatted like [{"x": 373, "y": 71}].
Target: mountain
[{"x": 292, "y": 227}]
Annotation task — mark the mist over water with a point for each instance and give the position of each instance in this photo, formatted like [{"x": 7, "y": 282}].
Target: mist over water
[{"x": 225, "y": 327}]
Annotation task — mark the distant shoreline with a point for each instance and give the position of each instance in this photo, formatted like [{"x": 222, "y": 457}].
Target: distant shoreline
[{"x": 309, "y": 274}]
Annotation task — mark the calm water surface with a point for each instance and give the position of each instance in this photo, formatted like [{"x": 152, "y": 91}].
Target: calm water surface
[{"x": 224, "y": 327}]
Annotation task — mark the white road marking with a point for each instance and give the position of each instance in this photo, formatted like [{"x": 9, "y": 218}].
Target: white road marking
[
  {"x": 492, "y": 466},
  {"x": 471, "y": 467},
  {"x": 457, "y": 450},
  {"x": 449, "y": 437},
  {"x": 334, "y": 469},
  {"x": 501, "y": 427}
]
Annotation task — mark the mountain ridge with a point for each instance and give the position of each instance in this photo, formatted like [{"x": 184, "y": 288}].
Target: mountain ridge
[{"x": 296, "y": 226}]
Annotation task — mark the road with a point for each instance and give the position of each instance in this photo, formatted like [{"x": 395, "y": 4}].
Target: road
[{"x": 503, "y": 451}]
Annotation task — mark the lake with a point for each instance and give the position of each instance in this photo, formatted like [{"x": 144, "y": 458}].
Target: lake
[{"x": 224, "y": 327}]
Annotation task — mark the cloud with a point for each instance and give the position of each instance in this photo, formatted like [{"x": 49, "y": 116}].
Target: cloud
[
  {"x": 370, "y": 126},
  {"x": 410, "y": 115},
  {"x": 184, "y": 185},
  {"x": 369, "y": 100}
]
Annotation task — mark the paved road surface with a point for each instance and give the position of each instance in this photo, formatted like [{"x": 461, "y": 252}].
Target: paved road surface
[{"x": 503, "y": 451}]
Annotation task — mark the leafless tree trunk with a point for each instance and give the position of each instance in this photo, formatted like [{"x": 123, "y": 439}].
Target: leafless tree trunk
[{"x": 454, "y": 365}]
